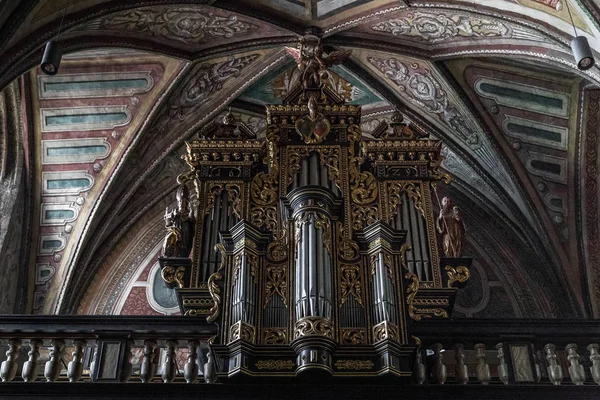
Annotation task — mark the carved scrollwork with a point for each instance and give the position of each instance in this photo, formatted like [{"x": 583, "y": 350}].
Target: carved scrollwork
[
  {"x": 387, "y": 263},
  {"x": 171, "y": 275},
  {"x": 419, "y": 313},
  {"x": 234, "y": 197},
  {"x": 363, "y": 185},
  {"x": 277, "y": 250},
  {"x": 274, "y": 336},
  {"x": 213, "y": 288},
  {"x": 251, "y": 261},
  {"x": 350, "y": 283},
  {"x": 354, "y": 336},
  {"x": 385, "y": 330},
  {"x": 276, "y": 283},
  {"x": 213, "y": 191},
  {"x": 363, "y": 216},
  {"x": 295, "y": 156},
  {"x": 413, "y": 192},
  {"x": 322, "y": 222},
  {"x": 243, "y": 331},
  {"x": 459, "y": 275},
  {"x": 264, "y": 216},
  {"x": 354, "y": 364},
  {"x": 313, "y": 326},
  {"x": 330, "y": 157},
  {"x": 275, "y": 364},
  {"x": 263, "y": 189},
  {"x": 347, "y": 248}
]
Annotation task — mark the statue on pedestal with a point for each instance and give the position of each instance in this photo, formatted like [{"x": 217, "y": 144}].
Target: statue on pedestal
[
  {"x": 180, "y": 224},
  {"x": 452, "y": 227}
]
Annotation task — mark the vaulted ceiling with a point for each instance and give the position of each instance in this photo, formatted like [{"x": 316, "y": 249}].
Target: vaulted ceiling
[{"x": 90, "y": 156}]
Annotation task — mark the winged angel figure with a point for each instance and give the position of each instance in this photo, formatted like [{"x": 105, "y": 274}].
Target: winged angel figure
[{"x": 311, "y": 61}]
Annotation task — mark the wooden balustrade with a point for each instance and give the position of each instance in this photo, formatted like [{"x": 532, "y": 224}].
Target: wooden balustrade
[
  {"x": 550, "y": 352},
  {"x": 103, "y": 349}
]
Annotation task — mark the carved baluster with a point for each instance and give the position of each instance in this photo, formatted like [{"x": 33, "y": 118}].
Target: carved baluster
[
  {"x": 127, "y": 366},
  {"x": 461, "y": 372},
  {"x": 555, "y": 373},
  {"x": 169, "y": 367},
  {"x": 190, "y": 371},
  {"x": 483, "y": 369},
  {"x": 210, "y": 369},
  {"x": 75, "y": 367},
  {"x": 502, "y": 368},
  {"x": 537, "y": 360},
  {"x": 8, "y": 369},
  {"x": 439, "y": 368},
  {"x": 419, "y": 368},
  {"x": 576, "y": 370},
  {"x": 595, "y": 359},
  {"x": 30, "y": 367},
  {"x": 148, "y": 367},
  {"x": 53, "y": 365}
]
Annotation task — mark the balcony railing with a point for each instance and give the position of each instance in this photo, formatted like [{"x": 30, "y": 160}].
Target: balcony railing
[
  {"x": 173, "y": 349},
  {"x": 103, "y": 348}
]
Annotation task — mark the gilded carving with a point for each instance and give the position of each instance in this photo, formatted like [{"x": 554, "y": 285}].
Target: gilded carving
[
  {"x": 354, "y": 336},
  {"x": 356, "y": 365},
  {"x": 347, "y": 248},
  {"x": 213, "y": 288},
  {"x": 350, "y": 283},
  {"x": 363, "y": 216},
  {"x": 213, "y": 191},
  {"x": 276, "y": 283},
  {"x": 313, "y": 326},
  {"x": 235, "y": 199},
  {"x": 460, "y": 274},
  {"x": 385, "y": 330},
  {"x": 275, "y": 364},
  {"x": 277, "y": 250},
  {"x": 435, "y": 28},
  {"x": 419, "y": 313},
  {"x": 387, "y": 264},
  {"x": 243, "y": 331},
  {"x": 188, "y": 25},
  {"x": 263, "y": 189},
  {"x": 274, "y": 336},
  {"x": 172, "y": 275}
]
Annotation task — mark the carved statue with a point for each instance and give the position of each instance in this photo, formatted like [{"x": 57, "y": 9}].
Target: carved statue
[
  {"x": 452, "y": 227},
  {"x": 180, "y": 225},
  {"x": 311, "y": 62}
]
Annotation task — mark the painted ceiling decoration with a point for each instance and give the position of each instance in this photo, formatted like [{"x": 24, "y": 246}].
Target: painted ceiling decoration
[{"x": 103, "y": 139}]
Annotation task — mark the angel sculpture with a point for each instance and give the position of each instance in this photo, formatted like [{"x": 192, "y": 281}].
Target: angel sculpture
[{"x": 311, "y": 62}]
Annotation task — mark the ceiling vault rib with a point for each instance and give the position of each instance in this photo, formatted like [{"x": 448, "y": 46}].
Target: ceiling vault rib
[{"x": 265, "y": 65}]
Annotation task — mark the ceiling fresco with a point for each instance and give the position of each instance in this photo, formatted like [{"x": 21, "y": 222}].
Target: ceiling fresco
[{"x": 103, "y": 139}]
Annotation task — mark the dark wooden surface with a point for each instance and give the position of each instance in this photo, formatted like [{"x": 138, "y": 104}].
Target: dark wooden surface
[{"x": 274, "y": 391}]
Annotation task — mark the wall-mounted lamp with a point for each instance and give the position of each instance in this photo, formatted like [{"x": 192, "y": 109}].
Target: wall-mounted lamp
[
  {"x": 581, "y": 48},
  {"x": 53, "y": 51}
]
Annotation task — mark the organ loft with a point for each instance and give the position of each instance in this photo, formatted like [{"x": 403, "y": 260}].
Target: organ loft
[{"x": 315, "y": 249}]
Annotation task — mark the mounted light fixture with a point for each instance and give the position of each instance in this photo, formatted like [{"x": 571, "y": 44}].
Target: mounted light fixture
[
  {"x": 53, "y": 51},
  {"x": 51, "y": 58},
  {"x": 581, "y": 48}
]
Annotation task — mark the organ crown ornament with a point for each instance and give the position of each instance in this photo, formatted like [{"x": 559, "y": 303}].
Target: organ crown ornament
[{"x": 314, "y": 249}]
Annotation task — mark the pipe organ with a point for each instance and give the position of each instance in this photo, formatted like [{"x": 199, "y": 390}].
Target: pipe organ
[{"x": 314, "y": 248}]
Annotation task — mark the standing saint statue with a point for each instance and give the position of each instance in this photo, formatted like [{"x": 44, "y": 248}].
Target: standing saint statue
[
  {"x": 452, "y": 227},
  {"x": 180, "y": 224}
]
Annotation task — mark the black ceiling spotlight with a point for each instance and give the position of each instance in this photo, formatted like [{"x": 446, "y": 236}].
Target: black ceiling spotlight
[
  {"x": 51, "y": 58},
  {"x": 581, "y": 48},
  {"x": 53, "y": 51}
]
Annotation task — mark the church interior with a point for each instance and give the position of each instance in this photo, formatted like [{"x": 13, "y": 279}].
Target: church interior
[{"x": 300, "y": 198}]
